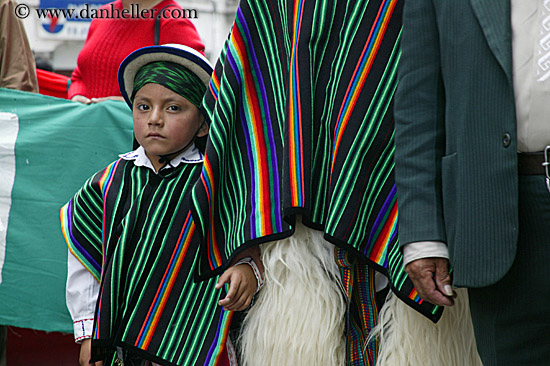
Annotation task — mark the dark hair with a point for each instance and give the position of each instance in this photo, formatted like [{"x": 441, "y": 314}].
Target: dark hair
[{"x": 200, "y": 143}]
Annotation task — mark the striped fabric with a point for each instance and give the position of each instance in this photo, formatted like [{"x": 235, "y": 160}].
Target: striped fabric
[
  {"x": 358, "y": 281},
  {"x": 133, "y": 230},
  {"x": 172, "y": 76},
  {"x": 301, "y": 123}
]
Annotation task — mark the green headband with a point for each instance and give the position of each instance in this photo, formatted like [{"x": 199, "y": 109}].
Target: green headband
[{"x": 173, "y": 76}]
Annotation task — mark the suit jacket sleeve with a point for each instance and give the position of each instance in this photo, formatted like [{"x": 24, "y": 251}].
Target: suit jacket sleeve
[{"x": 420, "y": 135}]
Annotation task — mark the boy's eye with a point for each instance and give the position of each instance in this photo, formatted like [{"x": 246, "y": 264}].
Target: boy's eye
[
  {"x": 143, "y": 107},
  {"x": 174, "y": 108}
]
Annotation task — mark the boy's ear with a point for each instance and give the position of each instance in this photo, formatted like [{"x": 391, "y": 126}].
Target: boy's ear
[{"x": 203, "y": 131}]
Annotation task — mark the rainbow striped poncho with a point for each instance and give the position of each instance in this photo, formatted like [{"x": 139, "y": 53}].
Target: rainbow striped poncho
[
  {"x": 133, "y": 230},
  {"x": 300, "y": 106}
]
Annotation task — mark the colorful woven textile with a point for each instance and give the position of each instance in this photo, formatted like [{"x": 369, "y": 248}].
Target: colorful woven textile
[
  {"x": 133, "y": 229},
  {"x": 301, "y": 123},
  {"x": 358, "y": 281}
]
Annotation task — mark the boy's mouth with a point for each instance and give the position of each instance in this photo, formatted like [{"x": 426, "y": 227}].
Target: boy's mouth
[{"x": 154, "y": 134}]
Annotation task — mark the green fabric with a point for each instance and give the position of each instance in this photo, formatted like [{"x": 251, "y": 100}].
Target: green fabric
[
  {"x": 172, "y": 76},
  {"x": 59, "y": 145}
]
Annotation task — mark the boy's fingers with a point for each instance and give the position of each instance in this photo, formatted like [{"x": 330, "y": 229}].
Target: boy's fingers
[
  {"x": 246, "y": 303},
  {"x": 229, "y": 300},
  {"x": 239, "y": 302},
  {"x": 236, "y": 305},
  {"x": 242, "y": 302},
  {"x": 225, "y": 301},
  {"x": 234, "y": 285},
  {"x": 222, "y": 280}
]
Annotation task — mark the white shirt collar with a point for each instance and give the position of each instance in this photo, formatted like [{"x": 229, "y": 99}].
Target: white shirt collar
[{"x": 192, "y": 155}]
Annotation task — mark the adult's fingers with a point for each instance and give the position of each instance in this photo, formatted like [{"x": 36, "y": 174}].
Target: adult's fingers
[
  {"x": 424, "y": 273},
  {"x": 442, "y": 279},
  {"x": 99, "y": 100},
  {"x": 81, "y": 99},
  {"x": 103, "y": 99}
]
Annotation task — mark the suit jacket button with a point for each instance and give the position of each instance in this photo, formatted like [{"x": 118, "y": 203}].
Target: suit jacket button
[{"x": 506, "y": 139}]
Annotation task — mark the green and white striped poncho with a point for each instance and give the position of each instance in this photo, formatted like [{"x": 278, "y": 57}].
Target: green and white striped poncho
[
  {"x": 132, "y": 229},
  {"x": 300, "y": 105}
]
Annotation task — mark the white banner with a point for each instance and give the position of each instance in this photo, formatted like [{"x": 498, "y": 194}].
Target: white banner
[{"x": 9, "y": 124}]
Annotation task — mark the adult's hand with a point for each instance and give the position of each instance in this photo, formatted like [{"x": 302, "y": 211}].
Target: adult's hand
[
  {"x": 431, "y": 279},
  {"x": 81, "y": 99},
  {"x": 98, "y": 100}
]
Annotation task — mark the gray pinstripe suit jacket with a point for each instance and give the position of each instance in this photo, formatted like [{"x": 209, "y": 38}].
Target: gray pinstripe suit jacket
[{"x": 456, "y": 155}]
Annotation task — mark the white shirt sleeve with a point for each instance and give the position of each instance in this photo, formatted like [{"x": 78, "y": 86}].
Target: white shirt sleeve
[
  {"x": 424, "y": 249},
  {"x": 82, "y": 292}
]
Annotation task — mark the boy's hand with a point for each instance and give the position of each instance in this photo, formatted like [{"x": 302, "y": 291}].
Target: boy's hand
[
  {"x": 242, "y": 287},
  {"x": 86, "y": 354}
]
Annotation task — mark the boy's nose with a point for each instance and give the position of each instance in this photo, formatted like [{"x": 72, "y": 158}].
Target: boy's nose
[{"x": 155, "y": 118}]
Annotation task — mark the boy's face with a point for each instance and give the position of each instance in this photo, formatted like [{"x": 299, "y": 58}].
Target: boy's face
[{"x": 164, "y": 121}]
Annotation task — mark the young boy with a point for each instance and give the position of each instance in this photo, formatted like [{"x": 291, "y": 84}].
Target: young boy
[{"x": 132, "y": 248}]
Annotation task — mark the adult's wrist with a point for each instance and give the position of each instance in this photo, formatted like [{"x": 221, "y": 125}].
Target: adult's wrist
[{"x": 424, "y": 249}]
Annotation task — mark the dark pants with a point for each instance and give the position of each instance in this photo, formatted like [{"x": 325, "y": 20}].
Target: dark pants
[{"x": 512, "y": 318}]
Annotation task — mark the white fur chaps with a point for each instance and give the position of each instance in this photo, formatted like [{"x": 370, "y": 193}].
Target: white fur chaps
[
  {"x": 299, "y": 315},
  {"x": 407, "y": 338}
]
